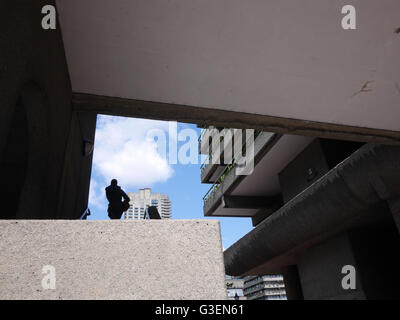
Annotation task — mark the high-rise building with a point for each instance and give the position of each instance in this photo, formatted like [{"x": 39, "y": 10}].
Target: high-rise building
[
  {"x": 139, "y": 201},
  {"x": 267, "y": 287},
  {"x": 234, "y": 288}
]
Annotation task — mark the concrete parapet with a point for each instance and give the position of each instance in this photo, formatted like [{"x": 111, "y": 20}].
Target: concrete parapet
[{"x": 164, "y": 259}]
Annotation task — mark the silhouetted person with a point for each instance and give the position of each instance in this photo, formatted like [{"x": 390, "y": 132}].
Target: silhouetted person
[
  {"x": 114, "y": 195},
  {"x": 153, "y": 212}
]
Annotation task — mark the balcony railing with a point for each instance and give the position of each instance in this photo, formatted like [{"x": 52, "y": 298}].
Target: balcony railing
[
  {"x": 208, "y": 158},
  {"x": 228, "y": 168}
]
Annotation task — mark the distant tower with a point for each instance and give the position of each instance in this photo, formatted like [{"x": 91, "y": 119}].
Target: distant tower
[{"x": 143, "y": 199}]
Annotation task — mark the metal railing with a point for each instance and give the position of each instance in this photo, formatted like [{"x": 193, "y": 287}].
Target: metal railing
[
  {"x": 205, "y": 163},
  {"x": 208, "y": 158},
  {"x": 85, "y": 214},
  {"x": 219, "y": 180},
  {"x": 229, "y": 167},
  {"x": 202, "y": 134}
]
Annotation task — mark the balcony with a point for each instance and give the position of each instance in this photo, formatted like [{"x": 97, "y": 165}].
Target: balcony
[
  {"x": 256, "y": 195},
  {"x": 214, "y": 164}
]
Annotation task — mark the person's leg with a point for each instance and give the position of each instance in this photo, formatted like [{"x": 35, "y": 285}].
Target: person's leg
[
  {"x": 110, "y": 213},
  {"x": 114, "y": 214},
  {"x": 115, "y": 211}
]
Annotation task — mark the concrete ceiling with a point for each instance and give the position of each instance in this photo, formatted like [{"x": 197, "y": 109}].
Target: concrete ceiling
[
  {"x": 285, "y": 150},
  {"x": 283, "y": 58}
]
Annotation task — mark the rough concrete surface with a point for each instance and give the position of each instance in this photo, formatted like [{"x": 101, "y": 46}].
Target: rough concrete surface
[{"x": 164, "y": 259}]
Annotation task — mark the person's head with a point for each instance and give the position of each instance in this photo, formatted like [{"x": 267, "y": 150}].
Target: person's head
[{"x": 114, "y": 182}]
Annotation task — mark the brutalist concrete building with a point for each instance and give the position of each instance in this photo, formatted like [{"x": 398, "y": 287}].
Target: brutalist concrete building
[
  {"x": 318, "y": 205},
  {"x": 323, "y": 99},
  {"x": 267, "y": 287},
  {"x": 234, "y": 288}
]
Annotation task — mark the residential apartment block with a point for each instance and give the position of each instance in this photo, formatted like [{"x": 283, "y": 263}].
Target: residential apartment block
[
  {"x": 267, "y": 287},
  {"x": 316, "y": 205},
  {"x": 234, "y": 288},
  {"x": 139, "y": 201}
]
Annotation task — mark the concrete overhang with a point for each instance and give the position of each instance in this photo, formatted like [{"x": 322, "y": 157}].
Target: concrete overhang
[
  {"x": 272, "y": 154},
  {"x": 278, "y": 66},
  {"x": 354, "y": 192},
  {"x": 211, "y": 172}
]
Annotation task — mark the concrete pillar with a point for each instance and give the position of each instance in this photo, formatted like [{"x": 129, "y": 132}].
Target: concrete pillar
[
  {"x": 291, "y": 279},
  {"x": 373, "y": 251},
  {"x": 35, "y": 113},
  {"x": 320, "y": 270},
  {"x": 394, "y": 205},
  {"x": 376, "y": 250}
]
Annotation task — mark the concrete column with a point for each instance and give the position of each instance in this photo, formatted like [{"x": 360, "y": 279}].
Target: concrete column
[
  {"x": 292, "y": 283},
  {"x": 74, "y": 191},
  {"x": 372, "y": 250},
  {"x": 320, "y": 270},
  {"x": 376, "y": 249},
  {"x": 394, "y": 205}
]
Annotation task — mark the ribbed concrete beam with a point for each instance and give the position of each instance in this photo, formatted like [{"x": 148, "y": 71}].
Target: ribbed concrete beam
[
  {"x": 348, "y": 195},
  {"x": 228, "y": 119}
]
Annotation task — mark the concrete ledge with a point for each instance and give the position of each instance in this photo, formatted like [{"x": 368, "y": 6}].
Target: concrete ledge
[{"x": 164, "y": 259}]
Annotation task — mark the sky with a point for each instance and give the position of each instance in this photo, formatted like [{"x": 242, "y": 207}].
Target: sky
[{"x": 142, "y": 153}]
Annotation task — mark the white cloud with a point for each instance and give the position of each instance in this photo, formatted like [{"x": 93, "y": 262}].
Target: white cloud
[
  {"x": 123, "y": 152},
  {"x": 96, "y": 197}
]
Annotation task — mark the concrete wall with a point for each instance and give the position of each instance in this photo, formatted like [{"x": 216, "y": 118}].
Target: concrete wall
[
  {"x": 77, "y": 166},
  {"x": 40, "y": 137},
  {"x": 376, "y": 249},
  {"x": 166, "y": 259},
  {"x": 320, "y": 271},
  {"x": 372, "y": 250}
]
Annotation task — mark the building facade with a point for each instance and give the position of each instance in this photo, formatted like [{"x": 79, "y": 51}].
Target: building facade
[
  {"x": 266, "y": 287},
  {"x": 234, "y": 288},
  {"x": 318, "y": 203},
  {"x": 318, "y": 206},
  {"x": 139, "y": 201}
]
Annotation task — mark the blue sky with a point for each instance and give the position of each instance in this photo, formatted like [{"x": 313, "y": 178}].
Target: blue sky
[{"x": 123, "y": 150}]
